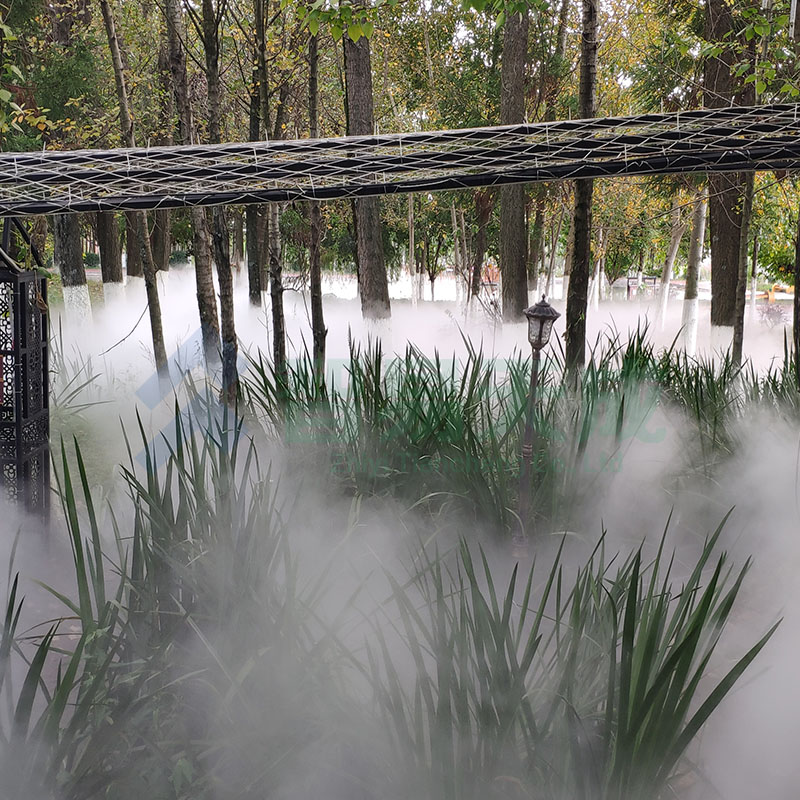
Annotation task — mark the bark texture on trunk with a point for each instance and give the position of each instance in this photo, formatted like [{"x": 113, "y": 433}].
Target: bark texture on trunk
[
  {"x": 373, "y": 283},
  {"x": 725, "y": 190},
  {"x": 582, "y": 217},
  {"x": 110, "y": 245},
  {"x": 68, "y": 252},
  {"x": 133, "y": 254},
  {"x": 513, "y": 237},
  {"x": 201, "y": 244}
]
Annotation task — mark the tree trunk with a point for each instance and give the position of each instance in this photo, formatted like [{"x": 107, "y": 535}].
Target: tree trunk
[
  {"x": 412, "y": 259},
  {"x": 220, "y": 234},
  {"x": 458, "y": 260},
  {"x": 725, "y": 190},
  {"x": 110, "y": 245},
  {"x": 254, "y": 220},
  {"x": 536, "y": 239},
  {"x": 140, "y": 218},
  {"x": 318, "y": 330},
  {"x": 483, "y": 213},
  {"x": 133, "y": 253},
  {"x": 68, "y": 258},
  {"x": 677, "y": 230},
  {"x": 754, "y": 277},
  {"x": 551, "y": 268},
  {"x": 741, "y": 283},
  {"x": 160, "y": 233},
  {"x": 690, "y": 302},
  {"x": 796, "y": 306},
  {"x": 373, "y": 283},
  {"x": 160, "y": 240},
  {"x": 201, "y": 245},
  {"x": 582, "y": 225},
  {"x": 238, "y": 239},
  {"x": 276, "y": 296},
  {"x": 512, "y": 198}
]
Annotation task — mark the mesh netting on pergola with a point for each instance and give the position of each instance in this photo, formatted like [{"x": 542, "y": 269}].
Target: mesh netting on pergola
[{"x": 720, "y": 140}]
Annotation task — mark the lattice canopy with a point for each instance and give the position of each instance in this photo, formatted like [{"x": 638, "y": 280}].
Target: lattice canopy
[{"x": 722, "y": 140}]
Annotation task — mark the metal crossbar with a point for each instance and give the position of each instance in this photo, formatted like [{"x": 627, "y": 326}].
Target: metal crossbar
[{"x": 710, "y": 140}]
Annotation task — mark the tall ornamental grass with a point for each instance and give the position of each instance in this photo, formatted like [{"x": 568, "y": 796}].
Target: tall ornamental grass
[{"x": 208, "y": 660}]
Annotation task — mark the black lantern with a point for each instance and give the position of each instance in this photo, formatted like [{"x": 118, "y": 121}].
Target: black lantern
[
  {"x": 24, "y": 389},
  {"x": 540, "y": 323}
]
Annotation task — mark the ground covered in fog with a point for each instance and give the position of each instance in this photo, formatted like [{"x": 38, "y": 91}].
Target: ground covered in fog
[{"x": 650, "y": 445}]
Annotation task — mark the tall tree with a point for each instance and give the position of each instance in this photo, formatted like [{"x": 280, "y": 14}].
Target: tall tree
[
  {"x": 318, "y": 330},
  {"x": 726, "y": 190},
  {"x": 512, "y": 198},
  {"x": 203, "y": 270},
  {"x": 373, "y": 283},
  {"x": 254, "y": 218},
  {"x": 209, "y": 30},
  {"x": 160, "y": 234},
  {"x": 796, "y": 307},
  {"x": 582, "y": 218},
  {"x": 139, "y": 217}
]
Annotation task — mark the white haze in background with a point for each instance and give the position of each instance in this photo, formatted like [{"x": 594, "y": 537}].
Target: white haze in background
[{"x": 748, "y": 750}]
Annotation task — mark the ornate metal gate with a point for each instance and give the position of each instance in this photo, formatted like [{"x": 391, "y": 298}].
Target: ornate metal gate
[{"x": 24, "y": 390}]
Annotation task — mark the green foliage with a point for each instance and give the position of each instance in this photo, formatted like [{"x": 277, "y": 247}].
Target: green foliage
[
  {"x": 564, "y": 693},
  {"x": 204, "y": 642},
  {"x": 91, "y": 260}
]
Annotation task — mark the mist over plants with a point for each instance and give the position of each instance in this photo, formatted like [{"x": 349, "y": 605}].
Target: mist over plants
[
  {"x": 315, "y": 595},
  {"x": 330, "y": 519}
]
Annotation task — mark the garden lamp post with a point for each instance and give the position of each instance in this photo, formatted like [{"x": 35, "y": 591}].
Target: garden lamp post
[{"x": 540, "y": 325}]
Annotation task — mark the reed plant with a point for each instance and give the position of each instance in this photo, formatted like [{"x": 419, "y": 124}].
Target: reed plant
[
  {"x": 447, "y": 434},
  {"x": 199, "y": 655}
]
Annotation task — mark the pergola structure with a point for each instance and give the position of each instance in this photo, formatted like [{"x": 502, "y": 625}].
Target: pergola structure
[
  {"x": 719, "y": 140},
  {"x": 48, "y": 182}
]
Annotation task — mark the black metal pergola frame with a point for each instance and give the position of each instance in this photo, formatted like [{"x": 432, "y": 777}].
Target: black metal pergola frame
[{"x": 731, "y": 139}]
